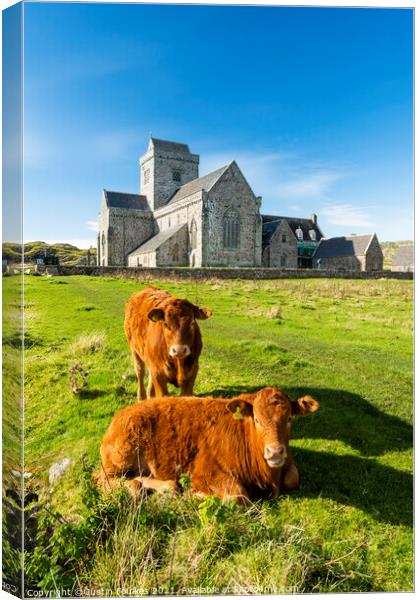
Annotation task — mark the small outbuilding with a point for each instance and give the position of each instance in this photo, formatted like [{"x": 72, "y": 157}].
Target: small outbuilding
[
  {"x": 403, "y": 259},
  {"x": 349, "y": 253}
]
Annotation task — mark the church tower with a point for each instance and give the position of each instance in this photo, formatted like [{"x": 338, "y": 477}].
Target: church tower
[{"x": 164, "y": 168}]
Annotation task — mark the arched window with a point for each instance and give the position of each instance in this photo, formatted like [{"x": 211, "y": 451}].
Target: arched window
[
  {"x": 193, "y": 235},
  {"x": 103, "y": 242},
  {"x": 231, "y": 228},
  {"x": 299, "y": 234}
]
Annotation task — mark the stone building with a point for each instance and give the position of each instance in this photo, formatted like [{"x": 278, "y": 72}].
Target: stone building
[
  {"x": 181, "y": 218},
  {"x": 289, "y": 242},
  {"x": 403, "y": 259},
  {"x": 350, "y": 253}
]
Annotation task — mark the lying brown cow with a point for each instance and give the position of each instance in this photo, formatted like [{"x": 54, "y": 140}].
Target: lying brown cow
[
  {"x": 237, "y": 448},
  {"x": 164, "y": 336}
]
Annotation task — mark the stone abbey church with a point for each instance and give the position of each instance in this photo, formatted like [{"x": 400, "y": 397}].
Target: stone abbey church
[{"x": 181, "y": 219}]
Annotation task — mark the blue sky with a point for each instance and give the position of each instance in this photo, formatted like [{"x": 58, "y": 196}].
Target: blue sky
[{"x": 315, "y": 105}]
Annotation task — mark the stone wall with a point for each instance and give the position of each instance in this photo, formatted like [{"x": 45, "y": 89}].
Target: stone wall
[
  {"x": 102, "y": 237},
  {"x": 374, "y": 259},
  {"x": 145, "y": 260},
  {"x": 282, "y": 250},
  {"x": 345, "y": 263},
  {"x": 214, "y": 273},
  {"x": 189, "y": 211},
  {"x": 232, "y": 192},
  {"x": 127, "y": 230},
  {"x": 121, "y": 230},
  {"x": 174, "y": 252}
]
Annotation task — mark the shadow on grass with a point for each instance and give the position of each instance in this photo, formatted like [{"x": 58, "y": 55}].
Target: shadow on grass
[
  {"x": 91, "y": 394},
  {"x": 351, "y": 419},
  {"x": 383, "y": 492},
  {"x": 342, "y": 416},
  {"x": 15, "y": 340}
]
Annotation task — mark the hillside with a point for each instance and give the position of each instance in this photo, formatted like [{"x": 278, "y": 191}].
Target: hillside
[{"x": 66, "y": 253}]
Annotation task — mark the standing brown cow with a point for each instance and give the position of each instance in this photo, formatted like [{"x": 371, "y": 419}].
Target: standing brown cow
[
  {"x": 236, "y": 448},
  {"x": 163, "y": 335}
]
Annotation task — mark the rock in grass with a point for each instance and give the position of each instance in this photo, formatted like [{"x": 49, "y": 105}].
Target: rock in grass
[{"x": 57, "y": 470}]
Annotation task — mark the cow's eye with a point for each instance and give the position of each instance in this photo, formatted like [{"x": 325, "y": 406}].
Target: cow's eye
[{"x": 256, "y": 421}]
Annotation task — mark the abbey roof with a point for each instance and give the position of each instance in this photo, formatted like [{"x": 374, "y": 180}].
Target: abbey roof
[
  {"x": 123, "y": 200},
  {"x": 167, "y": 146},
  {"x": 202, "y": 183},
  {"x": 157, "y": 240}
]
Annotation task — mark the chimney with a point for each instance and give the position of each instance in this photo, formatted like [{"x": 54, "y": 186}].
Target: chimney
[{"x": 313, "y": 218}]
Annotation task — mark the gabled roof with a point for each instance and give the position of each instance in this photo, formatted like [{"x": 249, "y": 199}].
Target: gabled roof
[
  {"x": 352, "y": 245},
  {"x": 403, "y": 257},
  {"x": 123, "y": 200},
  {"x": 271, "y": 222},
  {"x": 167, "y": 146},
  {"x": 268, "y": 230},
  {"x": 202, "y": 183},
  {"x": 157, "y": 240}
]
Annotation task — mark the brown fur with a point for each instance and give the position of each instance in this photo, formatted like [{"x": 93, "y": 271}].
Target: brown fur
[
  {"x": 155, "y": 320},
  {"x": 220, "y": 443}
]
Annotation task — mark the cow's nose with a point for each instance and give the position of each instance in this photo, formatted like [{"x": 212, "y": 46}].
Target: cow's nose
[
  {"x": 275, "y": 452},
  {"x": 179, "y": 351}
]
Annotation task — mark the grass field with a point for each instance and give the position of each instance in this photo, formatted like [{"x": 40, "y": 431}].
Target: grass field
[{"x": 348, "y": 527}]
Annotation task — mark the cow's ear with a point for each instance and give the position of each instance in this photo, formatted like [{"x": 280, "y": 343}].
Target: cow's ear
[
  {"x": 304, "y": 406},
  {"x": 202, "y": 313},
  {"x": 240, "y": 408},
  {"x": 156, "y": 314}
]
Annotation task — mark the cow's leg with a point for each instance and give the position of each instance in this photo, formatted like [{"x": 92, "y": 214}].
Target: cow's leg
[
  {"x": 160, "y": 385},
  {"x": 158, "y": 485},
  {"x": 228, "y": 489},
  {"x": 108, "y": 482},
  {"x": 118, "y": 459},
  {"x": 187, "y": 388},
  {"x": 150, "y": 388},
  {"x": 140, "y": 372},
  {"x": 291, "y": 477}
]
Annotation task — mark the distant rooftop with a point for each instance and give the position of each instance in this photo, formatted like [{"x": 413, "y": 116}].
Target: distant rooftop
[
  {"x": 271, "y": 222},
  {"x": 352, "y": 245}
]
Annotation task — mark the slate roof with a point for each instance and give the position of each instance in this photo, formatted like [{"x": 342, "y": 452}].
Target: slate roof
[
  {"x": 270, "y": 223},
  {"x": 202, "y": 183},
  {"x": 403, "y": 257},
  {"x": 157, "y": 240},
  {"x": 123, "y": 200},
  {"x": 167, "y": 146},
  {"x": 352, "y": 245}
]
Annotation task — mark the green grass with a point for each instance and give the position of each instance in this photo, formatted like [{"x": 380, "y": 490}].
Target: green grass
[{"x": 347, "y": 343}]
